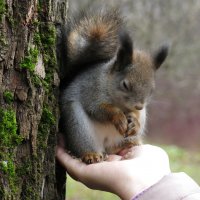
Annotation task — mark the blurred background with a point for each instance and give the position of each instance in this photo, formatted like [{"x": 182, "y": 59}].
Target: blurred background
[{"x": 174, "y": 112}]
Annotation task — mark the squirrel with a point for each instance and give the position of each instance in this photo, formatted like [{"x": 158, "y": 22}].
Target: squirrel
[{"x": 107, "y": 87}]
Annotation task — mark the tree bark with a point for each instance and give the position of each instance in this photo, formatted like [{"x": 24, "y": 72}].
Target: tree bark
[{"x": 29, "y": 80}]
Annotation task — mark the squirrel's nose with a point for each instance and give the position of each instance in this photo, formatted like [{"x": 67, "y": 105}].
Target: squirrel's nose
[{"x": 139, "y": 106}]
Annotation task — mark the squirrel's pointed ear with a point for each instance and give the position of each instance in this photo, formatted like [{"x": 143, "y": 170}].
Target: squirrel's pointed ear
[
  {"x": 125, "y": 52},
  {"x": 160, "y": 55}
]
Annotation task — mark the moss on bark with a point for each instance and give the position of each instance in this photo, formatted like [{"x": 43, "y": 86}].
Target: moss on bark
[{"x": 9, "y": 141}]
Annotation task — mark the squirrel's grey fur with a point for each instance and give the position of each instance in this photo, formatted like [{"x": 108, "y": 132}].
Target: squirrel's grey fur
[{"x": 103, "y": 103}]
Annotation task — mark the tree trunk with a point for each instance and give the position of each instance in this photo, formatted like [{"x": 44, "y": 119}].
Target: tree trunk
[{"x": 28, "y": 98}]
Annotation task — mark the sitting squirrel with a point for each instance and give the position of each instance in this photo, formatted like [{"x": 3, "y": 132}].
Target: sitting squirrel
[{"x": 106, "y": 88}]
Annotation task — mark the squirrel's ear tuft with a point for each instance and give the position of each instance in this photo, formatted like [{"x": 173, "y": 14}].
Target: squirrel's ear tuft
[
  {"x": 160, "y": 55},
  {"x": 125, "y": 52}
]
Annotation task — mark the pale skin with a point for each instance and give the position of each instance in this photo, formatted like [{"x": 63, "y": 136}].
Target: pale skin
[{"x": 125, "y": 175}]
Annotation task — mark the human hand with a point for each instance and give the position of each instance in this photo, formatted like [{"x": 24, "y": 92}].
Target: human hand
[{"x": 125, "y": 175}]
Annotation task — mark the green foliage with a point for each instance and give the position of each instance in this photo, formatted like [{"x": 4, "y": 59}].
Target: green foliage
[
  {"x": 2, "y": 8},
  {"x": 8, "y": 129},
  {"x": 8, "y": 97},
  {"x": 47, "y": 120},
  {"x": 48, "y": 37},
  {"x": 45, "y": 40},
  {"x": 26, "y": 169},
  {"x": 186, "y": 161},
  {"x": 8, "y": 170},
  {"x": 8, "y": 167},
  {"x": 48, "y": 40},
  {"x": 37, "y": 39},
  {"x": 47, "y": 116},
  {"x": 36, "y": 80},
  {"x": 9, "y": 140},
  {"x": 85, "y": 193},
  {"x": 8, "y": 135},
  {"x": 30, "y": 60}
]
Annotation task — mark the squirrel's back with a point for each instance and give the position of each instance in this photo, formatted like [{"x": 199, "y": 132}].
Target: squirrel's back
[{"x": 90, "y": 38}]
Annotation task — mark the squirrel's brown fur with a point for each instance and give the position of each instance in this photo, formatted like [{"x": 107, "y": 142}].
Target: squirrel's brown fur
[{"x": 106, "y": 86}]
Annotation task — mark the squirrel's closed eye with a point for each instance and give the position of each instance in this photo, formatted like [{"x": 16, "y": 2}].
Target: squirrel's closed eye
[{"x": 124, "y": 85}]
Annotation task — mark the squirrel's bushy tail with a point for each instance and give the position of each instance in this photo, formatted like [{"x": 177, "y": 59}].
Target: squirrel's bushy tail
[
  {"x": 94, "y": 36},
  {"x": 90, "y": 38}
]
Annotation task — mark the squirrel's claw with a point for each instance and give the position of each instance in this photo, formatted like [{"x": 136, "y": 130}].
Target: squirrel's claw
[
  {"x": 92, "y": 157},
  {"x": 133, "y": 126}
]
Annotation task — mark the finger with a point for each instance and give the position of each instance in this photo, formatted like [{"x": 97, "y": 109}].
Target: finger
[
  {"x": 73, "y": 166},
  {"x": 131, "y": 152},
  {"x": 124, "y": 151},
  {"x": 113, "y": 158},
  {"x": 151, "y": 153},
  {"x": 128, "y": 156}
]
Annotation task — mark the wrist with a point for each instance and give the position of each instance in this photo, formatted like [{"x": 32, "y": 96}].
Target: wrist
[{"x": 129, "y": 191}]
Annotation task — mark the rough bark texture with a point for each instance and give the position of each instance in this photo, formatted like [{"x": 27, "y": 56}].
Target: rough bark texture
[{"x": 28, "y": 98}]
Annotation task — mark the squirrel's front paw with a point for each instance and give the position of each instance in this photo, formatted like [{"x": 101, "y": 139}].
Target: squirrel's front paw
[
  {"x": 133, "y": 125},
  {"x": 92, "y": 157},
  {"x": 120, "y": 122}
]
